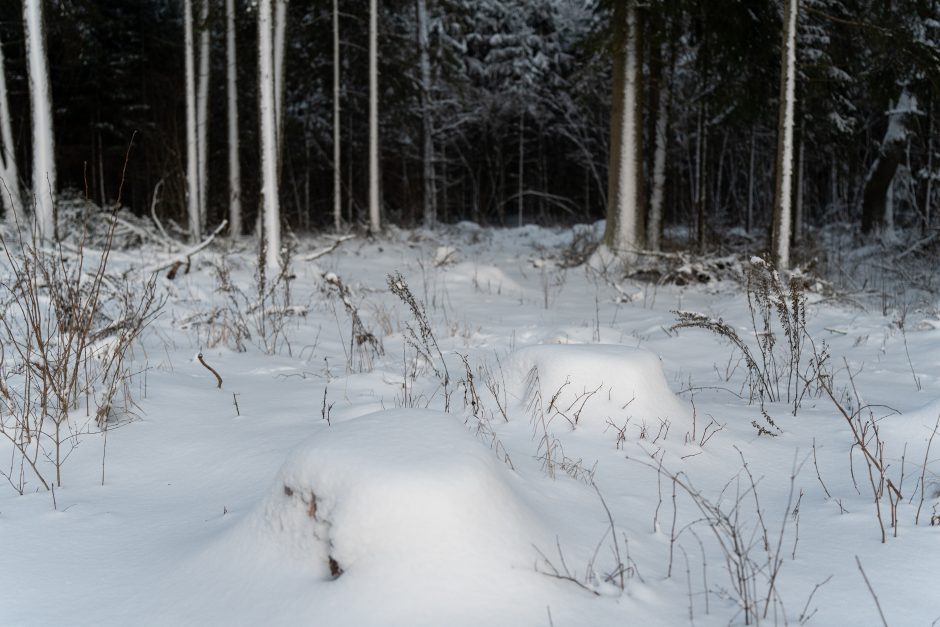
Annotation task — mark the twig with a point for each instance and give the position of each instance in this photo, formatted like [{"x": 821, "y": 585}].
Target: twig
[
  {"x": 872, "y": 590},
  {"x": 210, "y": 369},
  {"x": 923, "y": 470}
]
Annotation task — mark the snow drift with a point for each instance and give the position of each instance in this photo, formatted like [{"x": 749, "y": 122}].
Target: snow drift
[{"x": 589, "y": 384}]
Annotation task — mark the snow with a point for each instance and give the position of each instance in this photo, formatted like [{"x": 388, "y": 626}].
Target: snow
[{"x": 197, "y": 509}]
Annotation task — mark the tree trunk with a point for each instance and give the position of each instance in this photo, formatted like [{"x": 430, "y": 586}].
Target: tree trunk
[
  {"x": 798, "y": 192},
  {"x": 337, "y": 163},
  {"x": 624, "y": 231},
  {"x": 783, "y": 189},
  {"x": 661, "y": 139},
  {"x": 375, "y": 218},
  {"x": 520, "y": 170},
  {"x": 429, "y": 193},
  {"x": 881, "y": 174},
  {"x": 234, "y": 168},
  {"x": 44, "y": 174},
  {"x": 928, "y": 192},
  {"x": 202, "y": 115},
  {"x": 280, "y": 41},
  {"x": 9, "y": 173},
  {"x": 266, "y": 88},
  {"x": 749, "y": 224},
  {"x": 192, "y": 145},
  {"x": 701, "y": 174}
]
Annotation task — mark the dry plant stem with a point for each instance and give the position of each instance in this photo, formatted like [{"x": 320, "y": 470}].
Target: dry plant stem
[
  {"x": 872, "y": 590},
  {"x": 565, "y": 574},
  {"x": 58, "y": 314},
  {"x": 672, "y": 532},
  {"x": 218, "y": 377},
  {"x": 804, "y": 617},
  {"x": 422, "y": 340},
  {"x": 923, "y": 470},
  {"x": 819, "y": 476},
  {"x": 360, "y": 335}
]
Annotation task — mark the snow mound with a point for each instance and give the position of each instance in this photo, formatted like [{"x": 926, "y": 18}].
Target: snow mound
[
  {"x": 589, "y": 384},
  {"x": 483, "y": 278},
  {"x": 400, "y": 491}
]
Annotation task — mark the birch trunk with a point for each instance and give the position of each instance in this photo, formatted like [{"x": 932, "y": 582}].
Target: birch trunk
[
  {"x": 623, "y": 234},
  {"x": 337, "y": 164},
  {"x": 783, "y": 193},
  {"x": 375, "y": 219},
  {"x": 280, "y": 39},
  {"x": 44, "y": 175},
  {"x": 202, "y": 114},
  {"x": 269, "y": 190},
  {"x": 9, "y": 173},
  {"x": 192, "y": 144},
  {"x": 234, "y": 167}
]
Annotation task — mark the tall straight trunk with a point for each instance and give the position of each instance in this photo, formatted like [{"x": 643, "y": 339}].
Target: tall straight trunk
[
  {"x": 654, "y": 228},
  {"x": 427, "y": 128},
  {"x": 234, "y": 167},
  {"x": 624, "y": 231},
  {"x": 929, "y": 185},
  {"x": 881, "y": 173},
  {"x": 783, "y": 190},
  {"x": 44, "y": 175},
  {"x": 701, "y": 198},
  {"x": 749, "y": 224},
  {"x": 337, "y": 164},
  {"x": 192, "y": 143},
  {"x": 269, "y": 188},
  {"x": 798, "y": 192},
  {"x": 280, "y": 42},
  {"x": 9, "y": 173},
  {"x": 375, "y": 218},
  {"x": 520, "y": 174},
  {"x": 202, "y": 114}
]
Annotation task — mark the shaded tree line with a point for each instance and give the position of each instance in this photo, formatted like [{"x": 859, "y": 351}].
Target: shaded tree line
[{"x": 504, "y": 111}]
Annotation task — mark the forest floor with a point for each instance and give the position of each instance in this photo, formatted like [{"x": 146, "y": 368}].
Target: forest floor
[{"x": 498, "y": 440}]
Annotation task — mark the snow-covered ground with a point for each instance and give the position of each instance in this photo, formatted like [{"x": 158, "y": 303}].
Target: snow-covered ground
[{"x": 551, "y": 453}]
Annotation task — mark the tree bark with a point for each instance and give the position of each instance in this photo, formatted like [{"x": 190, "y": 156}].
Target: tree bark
[
  {"x": 661, "y": 139},
  {"x": 44, "y": 174},
  {"x": 429, "y": 193},
  {"x": 624, "y": 231},
  {"x": 202, "y": 114},
  {"x": 9, "y": 173},
  {"x": 234, "y": 167},
  {"x": 783, "y": 189},
  {"x": 881, "y": 173},
  {"x": 375, "y": 218},
  {"x": 337, "y": 164},
  {"x": 266, "y": 88},
  {"x": 192, "y": 144}
]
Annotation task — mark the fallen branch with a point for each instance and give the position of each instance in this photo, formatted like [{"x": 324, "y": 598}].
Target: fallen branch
[
  {"x": 326, "y": 251},
  {"x": 184, "y": 257},
  {"x": 918, "y": 245}
]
